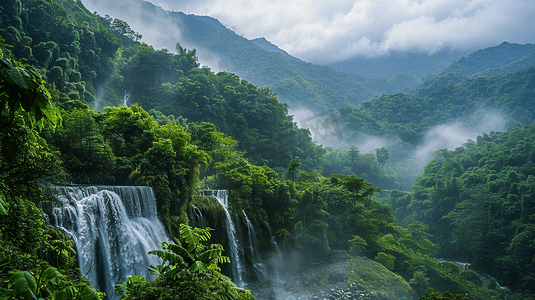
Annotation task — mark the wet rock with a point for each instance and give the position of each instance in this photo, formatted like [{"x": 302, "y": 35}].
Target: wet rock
[
  {"x": 338, "y": 275},
  {"x": 338, "y": 256}
]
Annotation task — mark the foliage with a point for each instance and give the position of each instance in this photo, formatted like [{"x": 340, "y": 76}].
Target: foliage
[
  {"x": 382, "y": 155},
  {"x": 387, "y": 260},
  {"x": 443, "y": 296},
  {"x": 188, "y": 287},
  {"x": 86, "y": 155},
  {"x": 193, "y": 265},
  {"x": 193, "y": 258},
  {"x": 23, "y": 87},
  {"x": 48, "y": 283},
  {"x": 124, "y": 288},
  {"x": 476, "y": 202},
  {"x": 489, "y": 60}
]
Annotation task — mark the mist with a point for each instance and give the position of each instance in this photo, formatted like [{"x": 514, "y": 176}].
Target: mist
[
  {"x": 452, "y": 135},
  {"x": 162, "y": 30},
  {"x": 325, "y": 32},
  {"x": 325, "y": 130}
]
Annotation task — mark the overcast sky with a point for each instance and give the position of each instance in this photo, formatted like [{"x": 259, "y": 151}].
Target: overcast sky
[{"x": 322, "y": 31}]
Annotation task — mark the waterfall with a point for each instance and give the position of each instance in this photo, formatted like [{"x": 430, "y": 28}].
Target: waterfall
[
  {"x": 258, "y": 267},
  {"x": 234, "y": 244},
  {"x": 126, "y": 97},
  {"x": 273, "y": 241},
  {"x": 276, "y": 264},
  {"x": 113, "y": 228},
  {"x": 197, "y": 217}
]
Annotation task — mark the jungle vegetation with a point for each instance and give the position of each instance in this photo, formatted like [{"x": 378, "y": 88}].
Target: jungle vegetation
[{"x": 66, "y": 72}]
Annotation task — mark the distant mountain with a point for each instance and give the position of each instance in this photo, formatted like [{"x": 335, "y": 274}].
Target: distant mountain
[
  {"x": 298, "y": 83},
  {"x": 500, "y": 59},
  {"x": 417, "y": 64},
  {"x": 268, "y": 46}
]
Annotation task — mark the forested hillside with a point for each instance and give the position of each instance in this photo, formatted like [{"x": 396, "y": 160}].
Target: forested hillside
[
  {"x": 478, "y": 202},
  {"x": 444, "y": 108},
  {"x": 101, "y": 107},
  {"x": 296, "y": 83},
  {"x": 500, "y": 59}
]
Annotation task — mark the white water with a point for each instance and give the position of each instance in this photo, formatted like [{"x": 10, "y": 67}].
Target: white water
[
  {"x": 258, "y": 267},
  {"x": 198, "y": 218},
  {"x": 276, "y": 263},
  {"x": 234, "y": 243},
  {"x": 113, "y": 228},
  {"x": 126, "y": 97}
]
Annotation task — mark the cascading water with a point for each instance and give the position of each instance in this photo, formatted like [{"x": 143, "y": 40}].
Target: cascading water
[
  {"x": 126, "y": 97},
  {"x": 234, "y": 244},
  {"x": 113, "y": 228},
  {"x": 198, "y": 218},
  {"x": 273, "y": 241},
  {"x": 276, "y": 263},
  {"x": 258, "y": 267}
]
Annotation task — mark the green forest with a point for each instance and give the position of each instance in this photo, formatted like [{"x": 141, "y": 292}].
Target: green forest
[{"x": 84, "y": 101}]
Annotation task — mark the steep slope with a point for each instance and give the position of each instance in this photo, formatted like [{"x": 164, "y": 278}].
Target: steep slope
[
  {"x": 498, "y": 60},
  {"x": 479, "y": 203},
  {"x": 503, "y": 56},
  {"x": 297, "y": 83}
]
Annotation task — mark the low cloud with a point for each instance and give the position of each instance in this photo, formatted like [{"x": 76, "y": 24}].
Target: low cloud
[
  {"x": 162, "y": 32},
  {"x": 452, "y": 135},
  {"x": 330, "y": 31}
]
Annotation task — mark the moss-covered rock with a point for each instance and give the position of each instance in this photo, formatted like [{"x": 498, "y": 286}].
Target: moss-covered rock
[
  {"x": 379, "y": 281},
  {"x": 356, "y": 278}
]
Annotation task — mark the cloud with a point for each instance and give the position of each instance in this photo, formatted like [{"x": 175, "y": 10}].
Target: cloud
[
  {"x": 162, "y": 32},
  {"x": 452, "y": 135},
  {"x": 323, "y": 31}
]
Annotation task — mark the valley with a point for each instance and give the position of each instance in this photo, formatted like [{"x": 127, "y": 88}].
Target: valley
[{"x": 265, "y": 176}]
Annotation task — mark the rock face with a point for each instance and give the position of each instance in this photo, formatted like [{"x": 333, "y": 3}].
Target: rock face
[
  {"x": 338, "y": 256},
  {"x": 338, "y": 275},
  {"x": 347, "y": 278}
]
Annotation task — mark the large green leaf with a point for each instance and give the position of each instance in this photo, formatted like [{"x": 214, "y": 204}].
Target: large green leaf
[
  {"x": 51, "y": 275},
  {"x": 175, "y": 272},
  {"x": 157, "y": 270},
  {"x": 121, "y": 288},
  {"x": 3, "y": 205},
  {"x": 89, "y": 293},
  {"x": 24, "y": 284},
  {"x": 24, "y": 87},
  {"x": 18, "y": 76},
  {"x": 197, "y": 266},
  {"x": 189, "y": 237},
  {"x": 67, "y": 293},
  {"x": 185, "y": 254},
  {"x": 167, "y": 256},
  {"x": 208, "y": 255},
  {"x": 135, "y": 279}
]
